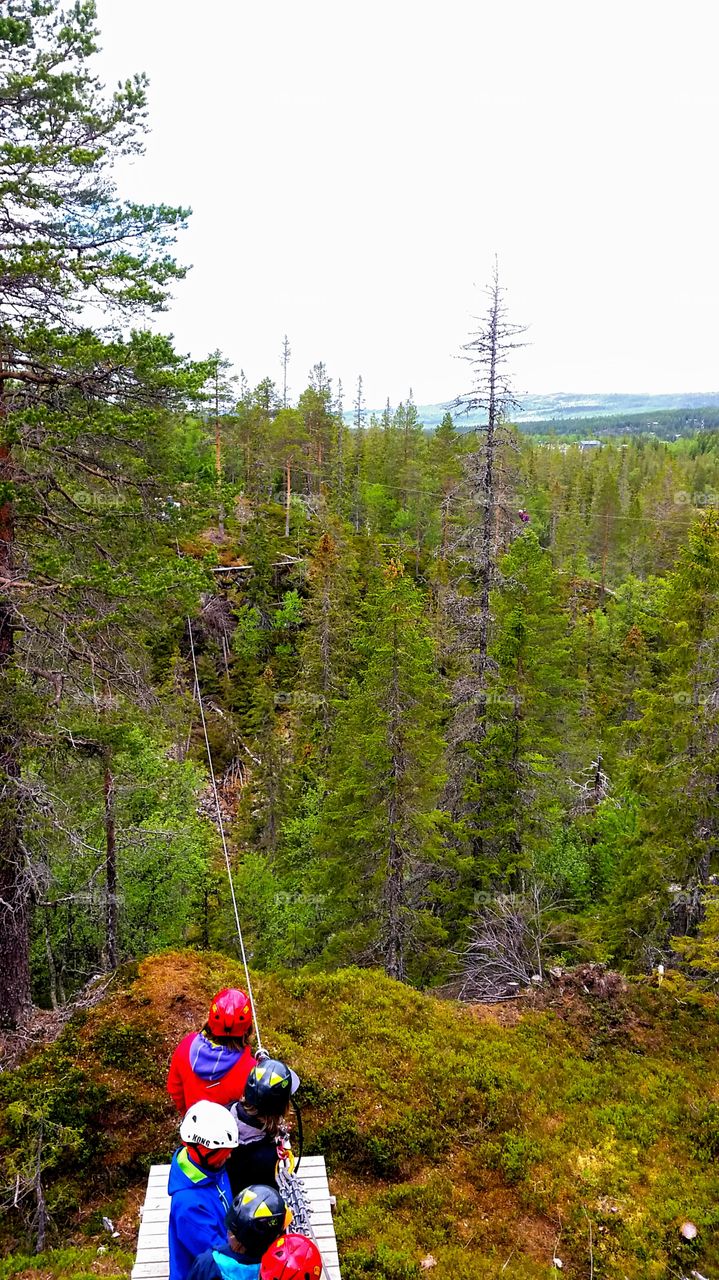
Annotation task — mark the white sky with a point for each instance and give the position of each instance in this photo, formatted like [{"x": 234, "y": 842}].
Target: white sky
[{"x": 353, "y": 168}]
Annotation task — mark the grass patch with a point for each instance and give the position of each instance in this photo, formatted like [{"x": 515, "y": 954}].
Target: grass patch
[
  {"x": 482, "y": 1145},
  {"x": 67, "y": 1264}
]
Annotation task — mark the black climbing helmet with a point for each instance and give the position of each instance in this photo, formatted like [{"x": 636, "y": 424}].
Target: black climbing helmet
[
  {"x": 269, "y": 1087},
  {"x": 256, "y": 1217}
]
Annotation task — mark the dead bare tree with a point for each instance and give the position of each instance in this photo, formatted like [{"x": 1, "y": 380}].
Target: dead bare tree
[
  {"x": 286, "y": 353},
  {"x": 474, "y": 549},
  {"x": 507, "y": 945},
  {"x": 592, "y": 790},
  {"x": 339, "y": 450},
  {"x": 359, "y": 445}
]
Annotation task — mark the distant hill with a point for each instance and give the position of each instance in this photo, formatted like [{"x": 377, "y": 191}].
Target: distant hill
[
  {"x": 662, "y": 424},
  {"x": 565, "y": 404},
  {"x": 560, "y": 410}
]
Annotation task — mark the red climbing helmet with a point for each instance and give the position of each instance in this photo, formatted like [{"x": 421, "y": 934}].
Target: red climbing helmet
[
  {"x": 230, "y": 1013},
  {"x": 292, "y": 1257}
]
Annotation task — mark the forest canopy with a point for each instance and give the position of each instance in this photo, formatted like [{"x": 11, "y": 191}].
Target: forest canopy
[{"x": 459, "y": 684}]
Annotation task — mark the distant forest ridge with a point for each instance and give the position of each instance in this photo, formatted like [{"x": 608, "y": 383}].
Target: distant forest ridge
[{"x": 567, "y": 413}]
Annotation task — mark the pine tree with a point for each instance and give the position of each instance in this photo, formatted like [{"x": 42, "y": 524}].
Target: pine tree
[
  {"x": 270, "y": 770},
  {"x": 409, "y": 433},
  {"x": 607, "y": 533},
  {"x": 340, "y": 448},
  {"x": 221, "y": 395},
  {"x": 76, "y": 409},
  {"x": 128, "y": 872},
  {"x": 289, "y": 444}
]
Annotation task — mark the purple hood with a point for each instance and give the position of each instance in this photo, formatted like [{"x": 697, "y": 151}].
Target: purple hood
[{"x": 211, "y": 1061}]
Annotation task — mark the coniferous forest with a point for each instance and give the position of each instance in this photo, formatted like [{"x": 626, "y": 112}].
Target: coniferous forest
[{"x": 460, "y": 686}]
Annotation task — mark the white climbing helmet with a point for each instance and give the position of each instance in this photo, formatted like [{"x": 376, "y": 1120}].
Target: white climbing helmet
[{"x": 207, "y": 1124}]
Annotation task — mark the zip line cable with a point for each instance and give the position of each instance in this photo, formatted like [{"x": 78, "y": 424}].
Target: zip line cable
[
  {"x": 291, "y": 1190},
  {"x": 222, "y": 835}
]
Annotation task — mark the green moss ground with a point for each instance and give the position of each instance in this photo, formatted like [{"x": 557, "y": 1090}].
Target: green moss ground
[
  {"x": 68, "y": 1264},
  {"x": 484, "y": 1142}
]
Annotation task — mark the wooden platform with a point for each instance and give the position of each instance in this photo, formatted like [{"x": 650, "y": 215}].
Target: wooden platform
[{"x": 153, "y": 1261}]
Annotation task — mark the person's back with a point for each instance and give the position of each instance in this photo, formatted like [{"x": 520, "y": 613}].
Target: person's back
[
  {"x": 198, "y": 1186},
  {"x": 223, "y": 1264},
  {"x": 261, "y": 1117},
  {"x": 213, "y": 1064},
  {"x": 254, "y": 1220}
]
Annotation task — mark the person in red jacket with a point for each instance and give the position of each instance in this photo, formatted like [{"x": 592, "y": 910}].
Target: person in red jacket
[{"x": 213, "y": 1064}]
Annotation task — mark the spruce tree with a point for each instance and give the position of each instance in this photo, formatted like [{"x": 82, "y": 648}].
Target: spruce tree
[
  {"x": 520, "y": 780},
  {"x": 378, "y": 839},
  {"x": 326, "y": 648},
  {"x": 675, "y": 765}
]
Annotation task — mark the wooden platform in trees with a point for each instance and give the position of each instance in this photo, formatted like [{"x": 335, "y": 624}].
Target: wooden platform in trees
[{"x": 152, "y": 1260}]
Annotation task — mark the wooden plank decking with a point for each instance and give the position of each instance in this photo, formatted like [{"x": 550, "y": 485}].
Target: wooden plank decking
[{"x": 152, "y": 1260}]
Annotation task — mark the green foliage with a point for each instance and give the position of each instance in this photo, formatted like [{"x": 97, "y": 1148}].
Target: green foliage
[
  {"x": 700, "y": 954},
  {"x": 164, "y": 849},
  {"x": 289, "y": 614},
  {"x": 365, "y": 825},
  {"x": 384, "y": 775},
  {"x": 247, "y": 638},
  {"x": 517, "y": 1154},
  {"x": 130, "y": 1047},
  {"x": 74, "y": 1263},
  {"x": 64, "y": 256},
  {"x": 444, "y": 1133}
]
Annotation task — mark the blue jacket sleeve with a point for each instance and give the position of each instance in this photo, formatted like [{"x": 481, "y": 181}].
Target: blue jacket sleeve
[{"x": 204, "y": 1267}]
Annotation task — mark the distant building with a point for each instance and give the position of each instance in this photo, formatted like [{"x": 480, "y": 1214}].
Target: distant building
[{"x": 590, "y": 444}]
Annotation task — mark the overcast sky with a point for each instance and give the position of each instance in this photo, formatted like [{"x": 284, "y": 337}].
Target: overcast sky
[{"x": 354, "y": 167}]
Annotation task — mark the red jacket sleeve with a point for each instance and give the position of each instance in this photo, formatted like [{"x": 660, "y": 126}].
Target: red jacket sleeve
[{"x": 176, "y": 1074}]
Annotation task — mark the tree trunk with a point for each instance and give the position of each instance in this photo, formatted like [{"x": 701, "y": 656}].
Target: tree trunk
[
  {"x": 396, "y": 870},
  {"x": 51, "y": 966},
  {"x": 111, "y": 947},
  {"x": 218, "y": 473},
  {"x": 288, "y": 496},
  {"x": 394, "y": 954},
  {"x": 326, "y": 646},
  {"x": 486, "y": 551},
  {"x": 516, "y": 768},
  {"x": 14, "y": 885},
  {"x": 40, "y": 1215},
  {"x": 340, "y": 460},
  {"x": 285, "y": 362}
]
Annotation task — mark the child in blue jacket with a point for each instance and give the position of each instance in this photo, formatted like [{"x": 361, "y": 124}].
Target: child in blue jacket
[
  {"x": 255, "y": 1219},
  {"x": 198, "y": 1185}
]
